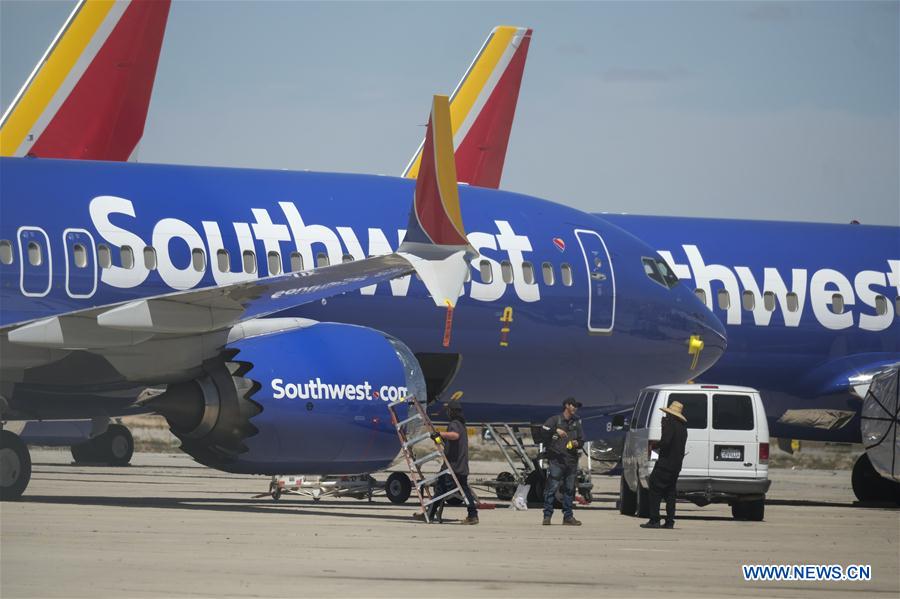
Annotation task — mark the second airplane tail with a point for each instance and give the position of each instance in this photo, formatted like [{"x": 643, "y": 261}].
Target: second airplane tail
[{"x": 482, "y": 108}]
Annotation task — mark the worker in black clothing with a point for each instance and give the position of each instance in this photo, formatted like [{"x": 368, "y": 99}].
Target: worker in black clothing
[
  {"x": 564, "y": 439},
  {"x": 456, "y": 440},
  {"x": 664, "y": 478}
]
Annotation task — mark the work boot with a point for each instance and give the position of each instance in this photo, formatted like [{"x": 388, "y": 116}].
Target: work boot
[
  {"x": 470, "y": 520},
  {"x": 669, "y": 524},
  {"x": 651, "y": 524},
  {"x": 571, "y": 521},
  {"x": 546, "y": 520}
]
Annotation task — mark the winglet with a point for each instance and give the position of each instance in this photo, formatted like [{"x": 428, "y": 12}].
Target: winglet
[
  {"x": 88, "y": 96},
  {"x": 482, "y": 108},
  {"x": 435, "y": 242}
]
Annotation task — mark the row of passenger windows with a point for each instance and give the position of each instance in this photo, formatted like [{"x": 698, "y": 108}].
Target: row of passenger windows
[
  {"x": 748, "y": 301},
  {"x": 273, "y": 261}
]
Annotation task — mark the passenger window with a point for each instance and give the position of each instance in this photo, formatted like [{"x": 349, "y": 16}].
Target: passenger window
[
  {"x": 748, "y": 299},
  {"x": 528, "y": 273},
  {"x": 274, "y": 263},
  {"x": 732, "y": 412},
  {"x": 127, "y": 256},
  {"x": 837, "y": 303},
  {"x": 198, "y": 259},
  {"x": 249, "y": 262},
  {"x": 321, "y": 260},
  {"x": 487, "y": 274},
  {"x": 6, "y": 254},
  {"x": 346, "y": 258},
  {"x": 79, "y": 254},
  {"x": 506, "y": 272},
  {"x": 701, "y": 295},
  {"x": 694, "y": 408},
  {"x": 769, "y": 301},
  {"x": 793, "y": 302},
  {"x": 150, "y": 258},
  {"x": 566, "y": 273},
  {"x": 104, "y": 257},
  {"x": 880, "y": 305},
  {"x": 643, "y": 417},
  {"x": 547, "y": 269},
  {"x": 223, "y": 260},
  {"x": 34, "y": 254},
  {"x": 296, "y": 262},
  {"x": 724, "y": 299}
]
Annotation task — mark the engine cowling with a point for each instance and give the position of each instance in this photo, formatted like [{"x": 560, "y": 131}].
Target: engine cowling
[{"x": 310, "y": 400}]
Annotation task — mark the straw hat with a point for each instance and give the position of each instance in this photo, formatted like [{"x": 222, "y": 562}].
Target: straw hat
[{"x": 675, "y": 410}]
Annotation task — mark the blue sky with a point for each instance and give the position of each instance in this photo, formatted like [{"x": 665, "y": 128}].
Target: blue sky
[{"x": 725, "y": 109}]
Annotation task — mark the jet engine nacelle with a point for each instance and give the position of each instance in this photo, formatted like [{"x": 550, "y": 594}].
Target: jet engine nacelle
[{"x": 311, "y": 400}]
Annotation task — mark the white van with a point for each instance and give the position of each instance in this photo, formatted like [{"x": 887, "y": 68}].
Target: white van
[{"x": 727, "y": 454}]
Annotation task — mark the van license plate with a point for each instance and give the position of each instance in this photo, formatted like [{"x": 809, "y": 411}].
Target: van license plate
[{"x": 729, "y": 453}]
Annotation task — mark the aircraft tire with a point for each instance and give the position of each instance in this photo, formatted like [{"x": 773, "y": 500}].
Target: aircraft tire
[
  {"x": 627, "y": 498},
  {"x": 115, "y": 447},
  {"x": 505, "y": 492},
  {"x": 398, "y": 487},
  {"x": 15, "y": 466},
  {"x": 869, "y": 486}
]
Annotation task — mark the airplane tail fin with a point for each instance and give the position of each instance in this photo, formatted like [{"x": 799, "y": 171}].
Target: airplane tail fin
[
  {"x": 435, "y": 242},
  {"x": 87, "y": 98},
  {"x": 483, "y": 106}
]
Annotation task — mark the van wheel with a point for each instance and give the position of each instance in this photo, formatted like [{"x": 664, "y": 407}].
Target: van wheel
[
  {"x": 642, "y": 509},
  {"x": 627, "y": 498}
]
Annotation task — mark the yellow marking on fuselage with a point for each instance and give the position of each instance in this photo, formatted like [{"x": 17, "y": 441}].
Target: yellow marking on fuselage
[{"x": 52, "y": 74}]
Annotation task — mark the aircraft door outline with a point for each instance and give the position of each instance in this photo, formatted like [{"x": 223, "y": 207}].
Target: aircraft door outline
[
  {"x": 70, "y": 238},
  {"x": 601, "y": 282},
  {"x": 31, "y": 275}
]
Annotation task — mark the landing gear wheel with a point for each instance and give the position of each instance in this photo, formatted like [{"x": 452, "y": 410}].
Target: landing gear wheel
[
  {"x": 114, "y": 447},
  {"x": 505, "y": 486},
  {"x": 868, "y": 485},
  {"x": 398, "y": 487},
  {"x": 627, "y": 498},
  {"x": 15, "y": 466}
]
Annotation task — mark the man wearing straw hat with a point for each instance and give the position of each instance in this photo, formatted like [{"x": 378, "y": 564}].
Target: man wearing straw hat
[{"x": 664, "y": 478}]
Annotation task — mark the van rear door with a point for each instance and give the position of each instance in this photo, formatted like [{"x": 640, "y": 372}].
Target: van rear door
[
  {"x": 696, "y": 411},
  {"x": 734, "y": 446}
]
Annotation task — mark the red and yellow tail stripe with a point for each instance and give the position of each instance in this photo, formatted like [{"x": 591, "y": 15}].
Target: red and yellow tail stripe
[
  {"x": 88, "y": 96},
  {"x": 482, "y": 108},
  {"x": 436, "y": 216}
]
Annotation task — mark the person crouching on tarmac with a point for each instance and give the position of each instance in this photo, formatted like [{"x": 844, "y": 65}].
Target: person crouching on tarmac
[
  {"x": 664, "y": 478},
  {"x": 566, "y": 439},
  {"x": 456, "y": 440}
]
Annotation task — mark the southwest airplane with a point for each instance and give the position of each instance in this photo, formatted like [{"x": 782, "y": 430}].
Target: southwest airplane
[
  {"x": 87, "y": 98},
  {"x": 129, "y": 287},
  {"x": 812, "y": 313}
]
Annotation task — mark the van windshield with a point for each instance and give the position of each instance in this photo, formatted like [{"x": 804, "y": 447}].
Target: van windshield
[
  {"x": 694, "y": 408},
  {"x": 732, "y": 412}
]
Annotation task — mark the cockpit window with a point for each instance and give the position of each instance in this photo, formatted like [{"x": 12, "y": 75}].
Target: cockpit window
[{"x": 657, "y": 270}]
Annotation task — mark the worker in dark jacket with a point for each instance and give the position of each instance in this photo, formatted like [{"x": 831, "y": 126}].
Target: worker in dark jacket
[
  {"x": 564, "y": 438},
  {"x": 664, "y": 478}
]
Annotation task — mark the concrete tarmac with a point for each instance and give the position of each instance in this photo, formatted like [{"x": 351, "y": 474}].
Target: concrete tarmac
[{"x": 166, "y": 527}]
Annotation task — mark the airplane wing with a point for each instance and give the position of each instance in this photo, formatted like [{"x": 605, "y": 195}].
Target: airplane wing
[
  {"x": 88, "y": 96},
  {"x": 436, "y": 248},
  {"x": 482, "y": 108}
]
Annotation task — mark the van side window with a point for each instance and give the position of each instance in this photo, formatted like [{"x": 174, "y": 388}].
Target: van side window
[
  {"x": 694, "y": 408},
  {"x": 643, "y": 417},
  {"x": 732, "y": 412},
  {"x": 637, "y": 409}
]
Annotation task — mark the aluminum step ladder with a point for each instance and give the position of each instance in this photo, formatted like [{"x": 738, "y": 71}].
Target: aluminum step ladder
[{"x": 411, "y": 430}]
